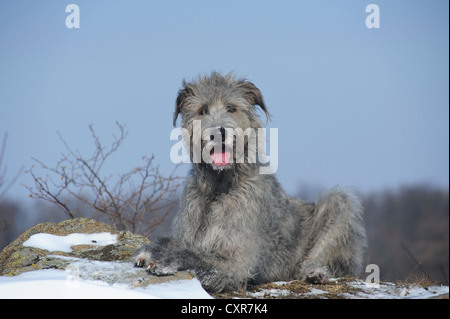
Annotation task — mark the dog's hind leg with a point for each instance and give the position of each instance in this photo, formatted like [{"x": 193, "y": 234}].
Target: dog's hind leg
[{"x": 335, "y": 237}]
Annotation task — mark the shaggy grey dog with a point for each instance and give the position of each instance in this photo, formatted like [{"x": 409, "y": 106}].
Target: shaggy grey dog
[{"x": 237, "y": 226}]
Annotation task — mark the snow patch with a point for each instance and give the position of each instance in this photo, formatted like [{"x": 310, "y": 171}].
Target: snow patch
[
  {"x": 59, "y": 284},
  {"x": 180, "y": 289},
  {"x": 273, "y": 293},
  {"x": 388, "y": 290},
  {"x": 64, "y": 243},
  {"x": 315, "y": 291},
  {"x": 55, "y": 284}
]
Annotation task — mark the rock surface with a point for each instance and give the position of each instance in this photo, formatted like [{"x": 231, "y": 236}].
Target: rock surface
[
  {"x": 109, "y": 263},
  {"x": 341, "y": 288}
]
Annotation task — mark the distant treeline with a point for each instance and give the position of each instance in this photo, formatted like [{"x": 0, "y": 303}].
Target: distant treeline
[{"x": 408, "y": 232}]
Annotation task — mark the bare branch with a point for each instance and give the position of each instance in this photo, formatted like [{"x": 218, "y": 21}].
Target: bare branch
[
  {"x": 140, "y": 199},
  {"x": 44, "y": 192}
]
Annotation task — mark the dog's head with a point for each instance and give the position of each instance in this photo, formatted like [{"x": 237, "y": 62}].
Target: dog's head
[{"x": 220, "y": 114}]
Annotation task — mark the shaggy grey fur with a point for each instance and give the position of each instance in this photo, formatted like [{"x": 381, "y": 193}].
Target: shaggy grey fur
[{"x": 237, "y": 226}]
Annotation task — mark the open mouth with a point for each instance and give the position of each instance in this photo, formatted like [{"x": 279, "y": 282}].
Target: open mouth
[{"x": 221, "y": 158}]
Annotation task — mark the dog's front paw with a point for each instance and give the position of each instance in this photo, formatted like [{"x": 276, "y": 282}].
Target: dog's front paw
[
  {"x": 146, "y": 259},
  {"x": 143, "y": 257},
  {"x": 317, "y": 276}
]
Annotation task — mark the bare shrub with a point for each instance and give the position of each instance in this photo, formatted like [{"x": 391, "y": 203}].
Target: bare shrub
[{"x": 138, "y": 200}]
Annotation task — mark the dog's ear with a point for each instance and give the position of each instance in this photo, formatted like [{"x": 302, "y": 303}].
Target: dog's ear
[
  {"x": 254, "y": 96},
  {"x": 181, "y": 100}
]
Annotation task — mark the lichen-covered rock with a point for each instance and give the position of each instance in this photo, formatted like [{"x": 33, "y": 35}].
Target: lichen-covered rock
[
  {"x": 15, "y": 258},
  {"x": 109, "y": 263}
]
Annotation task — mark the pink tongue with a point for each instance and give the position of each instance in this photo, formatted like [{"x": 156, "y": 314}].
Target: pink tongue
[{"x": 221, "y": 159}]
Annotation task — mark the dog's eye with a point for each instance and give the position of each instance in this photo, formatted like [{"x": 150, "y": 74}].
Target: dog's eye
[
  {"x": 231, "y": 108},
  {"x": 203, "y": 110}
]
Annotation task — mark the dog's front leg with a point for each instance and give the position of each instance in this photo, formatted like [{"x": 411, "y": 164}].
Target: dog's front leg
[{"x": 166, "y": 255}]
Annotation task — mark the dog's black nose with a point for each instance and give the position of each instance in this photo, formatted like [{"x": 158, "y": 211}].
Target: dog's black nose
[{"x": 222, "y": 131}]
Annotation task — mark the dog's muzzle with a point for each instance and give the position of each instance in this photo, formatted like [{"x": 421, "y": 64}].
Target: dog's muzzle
[{"x": 220, "y": 153}]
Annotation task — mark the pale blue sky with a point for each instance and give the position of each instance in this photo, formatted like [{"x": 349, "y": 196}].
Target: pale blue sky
[{"x": 353, "y": 106}]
